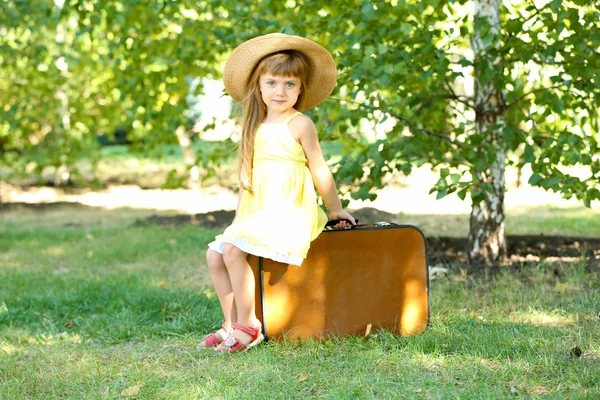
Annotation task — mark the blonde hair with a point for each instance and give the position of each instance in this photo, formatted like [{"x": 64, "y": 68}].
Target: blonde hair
[{"x": 284, "y": 63}]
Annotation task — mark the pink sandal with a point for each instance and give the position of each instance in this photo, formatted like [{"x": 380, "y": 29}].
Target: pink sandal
[
  {"x": 233, "y": 345},
  {"x": 213, "y": 340}
]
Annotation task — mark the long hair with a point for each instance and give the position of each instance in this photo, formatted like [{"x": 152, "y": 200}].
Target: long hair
[{"x": 284, "y": 63}]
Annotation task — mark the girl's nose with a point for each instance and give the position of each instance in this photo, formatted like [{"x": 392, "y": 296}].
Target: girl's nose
[{"x": 280, "y": 89}]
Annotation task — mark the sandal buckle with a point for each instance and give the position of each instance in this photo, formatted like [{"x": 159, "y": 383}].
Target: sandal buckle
[{"x": 230, "y": 341}]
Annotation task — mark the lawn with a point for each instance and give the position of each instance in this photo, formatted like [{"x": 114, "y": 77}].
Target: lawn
[{"x": 93, "y": 306}]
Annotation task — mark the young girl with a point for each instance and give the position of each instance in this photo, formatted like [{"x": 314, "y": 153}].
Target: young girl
[{"x": 275, "y": 77}]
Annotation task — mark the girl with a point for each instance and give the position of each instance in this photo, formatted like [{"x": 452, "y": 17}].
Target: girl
[{"x": 275, "y": 77}]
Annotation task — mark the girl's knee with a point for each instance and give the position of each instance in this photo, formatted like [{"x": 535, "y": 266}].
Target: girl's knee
[
  {"x": 232, "y": 253},
  {"x": 214, "y": 259}
]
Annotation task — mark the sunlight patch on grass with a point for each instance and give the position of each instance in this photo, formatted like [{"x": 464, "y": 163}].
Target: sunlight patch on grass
[
  {"x": 54, "y": 251},
  {"x": 16, "y": 340},
  {"x": 431, "y": 362},
  {"x": 67, "y": 215},
  {"x": 8, "y": 348},
  {"x": 6, "y": 264},
  {"x": 540, "y": 318},
  {"x": 545, "y": 210},
  {"x": 49, "y": 339}
]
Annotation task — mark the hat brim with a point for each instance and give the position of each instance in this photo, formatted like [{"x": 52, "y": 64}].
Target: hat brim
[{"x": 243, "y": 60}]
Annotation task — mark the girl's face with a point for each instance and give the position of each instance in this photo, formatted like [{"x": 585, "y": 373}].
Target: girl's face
[{"x": 280, "y": 93}]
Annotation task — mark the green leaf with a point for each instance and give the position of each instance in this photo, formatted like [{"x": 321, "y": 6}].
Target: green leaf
[
  {"x": 535, "y": 179},
  {"x": 465, "y": 62},
  {"x": 551, "y": 183},
  {"x": 477, "y": 197},
  {"x": 406, "y": 28},
  {"x": 368, "y": 10}
]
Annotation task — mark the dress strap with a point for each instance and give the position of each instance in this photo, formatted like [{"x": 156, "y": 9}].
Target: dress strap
[{"x": 288, "y": 119}]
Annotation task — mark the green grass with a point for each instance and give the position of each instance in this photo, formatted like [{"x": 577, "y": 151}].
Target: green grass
[
  {"x": 93, "y": 307},
  {"x": 119, "y": 165}
]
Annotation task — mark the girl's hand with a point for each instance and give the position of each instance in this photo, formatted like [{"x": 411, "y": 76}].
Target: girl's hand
[{"x": 341, "y": 214}]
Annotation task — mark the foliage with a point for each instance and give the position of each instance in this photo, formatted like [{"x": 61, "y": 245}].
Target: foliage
[
  {"x": 412, "y": 62},
  {"x": 85, "y": 67}
]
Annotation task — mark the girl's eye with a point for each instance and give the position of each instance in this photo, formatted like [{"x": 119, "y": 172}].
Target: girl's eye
[{"x": 270, "y": 83}]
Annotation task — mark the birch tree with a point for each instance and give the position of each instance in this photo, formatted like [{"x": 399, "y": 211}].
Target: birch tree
[
  {"x": 487, "y": 223},
  {"x": 535, "y": 101}
]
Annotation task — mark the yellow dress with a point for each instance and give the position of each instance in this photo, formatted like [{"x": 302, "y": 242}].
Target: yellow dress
[{"x": 281, "y": 218}]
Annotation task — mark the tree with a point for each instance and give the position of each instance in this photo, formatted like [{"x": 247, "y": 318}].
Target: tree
[
  {"x": 71, "y": 70},
  {"x": 535, "y": 100}
]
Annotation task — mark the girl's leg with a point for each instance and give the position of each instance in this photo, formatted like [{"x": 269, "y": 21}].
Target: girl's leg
[
  {"x": 242, "y": 282},
  {"x": 222, "y": 283}
]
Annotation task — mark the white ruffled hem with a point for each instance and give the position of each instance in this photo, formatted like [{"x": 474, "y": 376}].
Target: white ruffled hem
[{"x": 249, "y": 248}]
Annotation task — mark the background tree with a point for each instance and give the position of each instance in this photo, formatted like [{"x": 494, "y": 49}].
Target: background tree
[
  {"x": 71, "y": 70},
  {"x": 535, "y": 98}
]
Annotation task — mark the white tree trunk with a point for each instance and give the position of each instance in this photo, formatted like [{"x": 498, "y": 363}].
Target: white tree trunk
[
  {"x": 63, "y": 126},
  {"x": 487, "y": 238},
  {"x": 188, "y": 156}
]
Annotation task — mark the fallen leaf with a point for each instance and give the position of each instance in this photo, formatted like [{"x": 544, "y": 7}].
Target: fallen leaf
[
  {"x": 437, "y": 271},
  {"x": 418, "y": 390},
  {"x": 302, "y": 377},
  {"x": 513, "y": 389},
  {"x": 368, "y": 330},
  {"x": 475, "y": 314},
  {"x": 132, "y": 391},
  {"x": 560, "y": 287},
  {"x": 89, "y": 236},
  {"x": 173, "y": 241},
  {"x": 90, "y": 254}
]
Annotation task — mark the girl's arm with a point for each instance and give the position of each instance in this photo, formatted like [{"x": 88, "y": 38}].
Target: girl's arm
[{"x": 305, "y": 132}]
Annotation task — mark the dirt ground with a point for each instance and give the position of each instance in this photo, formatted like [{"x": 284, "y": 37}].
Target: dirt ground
[
  {"x": 443, "y": 251},
  {"x": 212, "y": 207}
]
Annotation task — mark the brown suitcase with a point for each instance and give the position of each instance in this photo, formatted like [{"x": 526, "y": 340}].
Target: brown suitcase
[{"x": 368, "y": 275}]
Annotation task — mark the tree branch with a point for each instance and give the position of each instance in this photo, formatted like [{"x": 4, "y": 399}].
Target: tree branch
[
  {"x": 456, "y": 97},
  {"x": 406, "y": 120},
  {"x": 536, "y": 13},
  {"x": 532, "y": 92}
]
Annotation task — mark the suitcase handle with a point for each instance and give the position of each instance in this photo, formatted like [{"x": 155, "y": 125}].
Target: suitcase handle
[{"x": 333, "y": 222}]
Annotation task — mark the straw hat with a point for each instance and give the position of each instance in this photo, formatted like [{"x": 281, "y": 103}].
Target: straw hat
[{"x": 245, "y": 57}]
